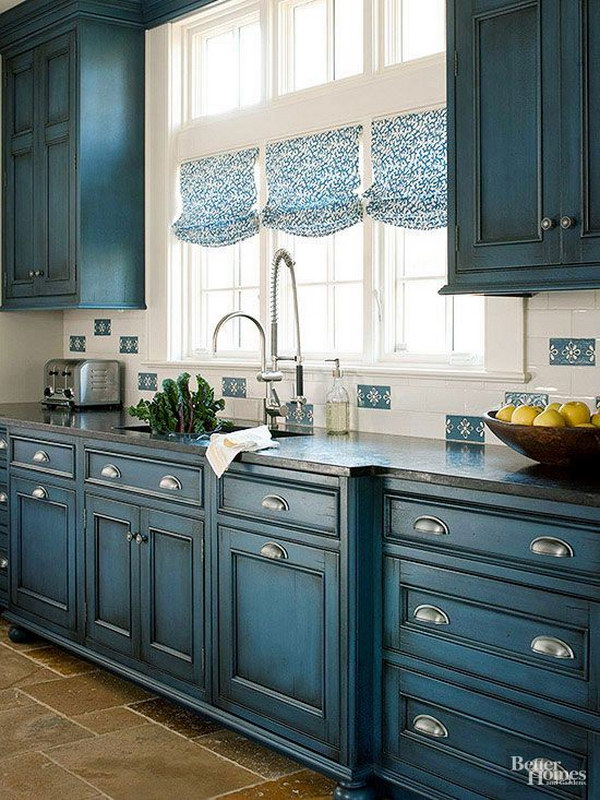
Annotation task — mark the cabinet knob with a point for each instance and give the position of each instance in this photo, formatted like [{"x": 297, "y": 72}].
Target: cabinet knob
[
  {"x": 40, "y": 493},
  {"x": 129, "y": 536},
  {"x": 547, "y": 224},
  {"x": 432, "y": 525},
  {"x": 272, "y": 502},
  {"x": 171, "y": 483},
  {"x": 38, "y": 273},
  {"x": 31, "y": 273},
  {"x": 550, "y": 546},
  {"x": 3, "y": 443},
  {"x": 430, "y": 726},
  {"x": 551, "y": 646},
  {"x": 141, "y": 538},
  {"x": 431, "y": 615},
  {"x": 3, "y": 562},
  {"x": 272, "y": 550},
  {"x": 567, "y": 222},
  {"x": 110, "y": 471},
  {"x": 3, "y": 498},
  {"x": 41, "y": 457}
]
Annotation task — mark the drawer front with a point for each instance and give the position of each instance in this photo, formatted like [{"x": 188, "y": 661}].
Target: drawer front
[
  {"x": 57, "y": 459},
  {"x": 541, "y": 642},
  {"x": 4, "y": 539},
  {"x": 479, "y": 744},
  {"x": 3, "y": 572},
  {"x": 545, "y": 544},
  {"x": 157, "y": 478},
  {"x": 290, "y": 503}
]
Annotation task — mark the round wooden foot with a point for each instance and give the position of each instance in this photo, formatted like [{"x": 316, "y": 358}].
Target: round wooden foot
[
  {"x": 18, "y": 635},
  {"x": 354, "y": 791}
]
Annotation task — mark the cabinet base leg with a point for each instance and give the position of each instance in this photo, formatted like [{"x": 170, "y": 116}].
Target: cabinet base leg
[
  {"x": 354, "y": 791},
  {"x": 19, "y": 635}
]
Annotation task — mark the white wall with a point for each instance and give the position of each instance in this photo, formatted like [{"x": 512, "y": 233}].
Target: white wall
[{"x": 27, "y": 341}]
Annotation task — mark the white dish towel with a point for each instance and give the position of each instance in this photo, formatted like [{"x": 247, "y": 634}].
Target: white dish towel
[{"x": 224, "y": 447}]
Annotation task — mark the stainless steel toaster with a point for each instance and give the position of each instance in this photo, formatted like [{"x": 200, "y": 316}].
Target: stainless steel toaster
[{"x": 82, "y": 383}]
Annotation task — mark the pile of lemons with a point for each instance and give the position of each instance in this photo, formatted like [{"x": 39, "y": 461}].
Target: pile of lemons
[{"x": 574, "y": 414}]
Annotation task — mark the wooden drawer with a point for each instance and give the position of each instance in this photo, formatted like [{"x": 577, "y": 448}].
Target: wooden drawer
[
  {"x": 548, "y": 544},
  {"x": 156, "y": 478},
  {"x": 293, "y": 500},
  {"x": 44, "y": 456},
  {"x": 541, "y": 642},
  {"x": 435, "y": 732}
]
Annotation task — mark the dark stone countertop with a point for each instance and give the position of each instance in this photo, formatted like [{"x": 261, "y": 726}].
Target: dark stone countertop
[{"x": 488, "y": 468}]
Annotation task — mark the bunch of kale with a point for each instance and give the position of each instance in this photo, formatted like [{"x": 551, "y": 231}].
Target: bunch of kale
[{"x": 179, "y": 410}]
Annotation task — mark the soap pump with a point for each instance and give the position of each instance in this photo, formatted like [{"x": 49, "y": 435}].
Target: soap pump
[{"x": 337, "y": 403}]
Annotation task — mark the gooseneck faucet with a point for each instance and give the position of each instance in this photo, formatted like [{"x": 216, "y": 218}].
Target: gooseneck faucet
[{"x": 284, "y": 256}]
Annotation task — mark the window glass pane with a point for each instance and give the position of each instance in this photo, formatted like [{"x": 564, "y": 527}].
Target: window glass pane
[
  {"x": 250, "y": 64},
  {"x": 348, "y": 35},
  {"x": 218, "y": 267},
  {"x": 423, "y": 28},
  {"x": 469, "y": 330},
  {"x": 424, "y": 314},
  {"x": 249, "y": 339},
  {"x": 312, "y": 301},
  {"x": 425, "y": 252},
  {"x": 249, "y": 262},
  {"x": 221, "y": 73},
  {"x": 348, "y": 265},
  {"x": 310, "y": 256},
  {"x": 348, "y": 318},
  {"x": 310, "y": 44},
  {"x": 216, "y": 305}
]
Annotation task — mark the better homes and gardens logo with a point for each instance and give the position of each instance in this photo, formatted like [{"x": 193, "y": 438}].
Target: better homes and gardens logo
[{"x": 544, "y": 772}]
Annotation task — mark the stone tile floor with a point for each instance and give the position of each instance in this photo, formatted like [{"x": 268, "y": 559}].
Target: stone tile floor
[{"x": 72, "y": 731}]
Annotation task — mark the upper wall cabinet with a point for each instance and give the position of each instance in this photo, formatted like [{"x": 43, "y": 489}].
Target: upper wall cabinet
[
  {"x": 524, "y": 171},
  {"x": 73, "y": 162}
]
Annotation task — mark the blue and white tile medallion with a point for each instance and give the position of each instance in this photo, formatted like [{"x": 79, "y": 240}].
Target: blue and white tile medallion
[
  {"x": 77, "y": 344},
  {"x": 369, "y": 396},
  {"x": 526, "y": 399},
  {"x": 102, "y": 327},
  {"x": 572, "y": 352},
  {"x": 147, "y": 381},
  {"x": 129, "y": 344},
  {"x": 300, "y": 415},
  {"x": 233, "y": 387},
  {"x": 460, "y": 428}
]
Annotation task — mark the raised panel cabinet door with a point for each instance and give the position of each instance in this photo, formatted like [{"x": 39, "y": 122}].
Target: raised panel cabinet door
[
  {"x": 56, "y": 189},
  {"x": 172, "y": 595},
  {"x": 112, "y": 574},
  {"x": 505, "y": 140},
  {"x": 43, "y": 551},
  {"x": 279, "y": 629},
  {"x": 19, "y": 119}
]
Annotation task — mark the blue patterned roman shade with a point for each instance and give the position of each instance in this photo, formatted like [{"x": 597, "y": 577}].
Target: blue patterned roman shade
[
  {"x": 218, "y": 196},
  {"x": 313, "y": 183},
  {"x": 409, "y": 171}
]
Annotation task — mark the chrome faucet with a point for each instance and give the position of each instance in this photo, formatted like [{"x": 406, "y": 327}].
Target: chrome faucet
[
  {"x": 285, "y": 256},
  {"x": 273, "y": 407}
]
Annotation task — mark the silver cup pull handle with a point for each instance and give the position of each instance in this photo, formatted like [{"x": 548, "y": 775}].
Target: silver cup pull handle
[
  {"x": 431, "y": 525},
  {"x": 41, "y": 457},
  {"x": 430, "y": 726},
  {"x": 3, "y": 443},
  {"x": 551, "y": 546},
  {"x": 3, "y": 562},
  {"x": 551, "y": 646},
  {"x": 273, "y": 502},
  {"x": 274, "y": 551},
  {"x": 3, "y": 498},
  {"x": 40, "y": 493},
  {"x": 110, "y": 471},
  {"x": 171, "y": 483},
  {"x": 431, "y": 615}
]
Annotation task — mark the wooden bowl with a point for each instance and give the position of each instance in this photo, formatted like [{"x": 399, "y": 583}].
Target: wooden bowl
[{"x": 558, "y": 446}]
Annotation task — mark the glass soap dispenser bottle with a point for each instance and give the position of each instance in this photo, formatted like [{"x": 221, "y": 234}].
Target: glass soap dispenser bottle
[{"x": 337, "y": 404}]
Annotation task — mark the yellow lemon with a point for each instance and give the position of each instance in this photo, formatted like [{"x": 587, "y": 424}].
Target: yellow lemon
[
  {"x": 505, "y": 413},
  {"x": 524, "y": 415},
  {"x": 595, "y": 420},
  {"x": 585, "y": 425},
  {"x": 553, "y": 407},
  {"x": 575, "y": 413},
  {"x": 550, "y": 418}
]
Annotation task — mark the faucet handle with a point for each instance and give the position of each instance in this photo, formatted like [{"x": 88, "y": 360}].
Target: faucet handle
[{"x": 269, "y": 376}]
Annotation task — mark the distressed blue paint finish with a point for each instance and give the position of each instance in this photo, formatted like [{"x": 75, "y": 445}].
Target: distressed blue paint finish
[
  {"x": 233, "y": 387},
  {"x": 526, "y": 399},
  {"x": 460, "y": 428},
  {"x": 77, "y": 344},
  {"x": 300, "y": 415},
  {"x": 129, "y": 344},
  {"x": 102, "y": 327},
  {"x": 371, "y": 396},
  {"x": 147, "y": 381},
  {"x": 572, "y": 352}
]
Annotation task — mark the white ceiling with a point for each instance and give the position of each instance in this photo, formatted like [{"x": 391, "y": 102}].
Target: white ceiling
[{"x": 4, "y": 4}]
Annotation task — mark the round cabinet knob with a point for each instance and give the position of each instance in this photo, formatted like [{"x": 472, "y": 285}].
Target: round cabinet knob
[
  {"x": 3, "y": 562},
  {"x": 31, "y": 273},
  {"x": 129, "y": 536},
  {"x": 38, "y": 273},
  {"x": 141, "y": 538},
  {"x": 547, "y": 224},
  {"x": 567, "y": 222}
]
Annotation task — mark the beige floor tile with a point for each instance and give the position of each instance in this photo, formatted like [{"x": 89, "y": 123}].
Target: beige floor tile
[
  {"x": 12, "y": 698},
  {"x": 60, "y": 661},
  {"x": 151, "y": 763},
  {"x": 84, "y": 693},
  {"x": 304, "y": 785},
  {"x": 267, "y": 763},
  {"x": 17, "y": 671},
  {"x": 35, "y": 727},
  {"x": 108, "y": 720},
  {"x": 177, "y": 718},
  {"x": 34, "y": 777}
]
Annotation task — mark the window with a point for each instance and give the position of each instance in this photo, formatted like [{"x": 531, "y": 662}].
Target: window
[
  {"x": 319, "y": 41},
  {"x": 413, "y": 29}
]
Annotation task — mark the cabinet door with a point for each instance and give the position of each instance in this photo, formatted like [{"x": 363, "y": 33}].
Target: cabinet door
[
  {"x": 112, "y": 567},
  {"x": 279, "y": 654},
  {"x": 56, "y": 177},
  {"x": 19, "y": 173},
  {"x": 172, "y": 588},
  {"x": 504, "y": 142},
  {"x": 43, "y": 542}
]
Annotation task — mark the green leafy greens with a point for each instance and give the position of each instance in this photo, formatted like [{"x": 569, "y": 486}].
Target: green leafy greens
[{"x": 178, "y": 409}]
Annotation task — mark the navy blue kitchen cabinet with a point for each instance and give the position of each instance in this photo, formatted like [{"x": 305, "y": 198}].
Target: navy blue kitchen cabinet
[
  {"x": 4, "y": 517},
  {"x": 73, "y": 163},
  {"x": 523, "y": 91}
]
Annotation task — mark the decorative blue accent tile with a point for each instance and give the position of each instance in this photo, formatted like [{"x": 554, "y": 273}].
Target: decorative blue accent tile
[
  {"x": 572, "y": 352},
  {"x": 102, "y": 327},
  {"x": 300, "y": 415},
  {"x": 147, "y": 381},
  {"x": 233, "y": 387},
  {"x": 464, "y": 429},
  {"x": 77, "y": 344},
  {"x": 465, "y": 453},
  {"x": 526, "y": 399},
  {"x": 369, "y": 396},
  {"x": 129, "y": 344}
]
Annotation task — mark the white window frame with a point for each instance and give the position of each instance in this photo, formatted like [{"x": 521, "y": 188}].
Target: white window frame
[{"x": 172, "y": 138}]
